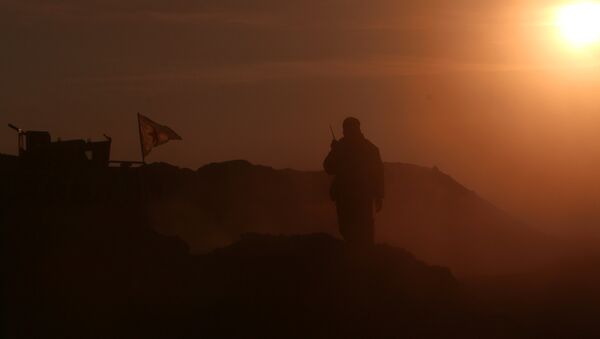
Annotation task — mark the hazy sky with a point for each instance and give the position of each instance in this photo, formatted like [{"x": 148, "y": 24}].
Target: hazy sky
[{"x": 485, "y": 90}]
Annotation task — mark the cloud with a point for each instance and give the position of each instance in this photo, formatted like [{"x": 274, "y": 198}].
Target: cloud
[
  {"x": 369, "y": 68},
  {"x": 77, "y": 12},
  {"x": 235, "y": 40}
]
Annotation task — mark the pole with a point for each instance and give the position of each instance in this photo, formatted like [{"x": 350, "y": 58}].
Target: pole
[
  {"x": 143, "y": 194},
  {"x": 20, "y": 134},
  {"x": 141, "y": 139}
]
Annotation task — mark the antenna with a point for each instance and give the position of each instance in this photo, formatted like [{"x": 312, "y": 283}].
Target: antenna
[
  {"x": 332, "y": 134},
  {"x": 15, "y": 128}
]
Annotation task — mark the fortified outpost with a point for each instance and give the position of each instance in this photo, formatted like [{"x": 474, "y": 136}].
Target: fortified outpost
[{"x": 37, "y": 150}]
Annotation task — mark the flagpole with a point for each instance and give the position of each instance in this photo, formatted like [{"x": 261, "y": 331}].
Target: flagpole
[
  {"x": 144, "y": 195},
  {"x": 141, "y": 140}
]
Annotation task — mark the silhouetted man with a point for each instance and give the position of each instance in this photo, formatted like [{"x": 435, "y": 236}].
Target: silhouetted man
[{"x": 358, "y": 183}]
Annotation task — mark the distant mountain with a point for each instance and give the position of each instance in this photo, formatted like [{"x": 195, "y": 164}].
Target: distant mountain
[{"x": 425, "y": 211}]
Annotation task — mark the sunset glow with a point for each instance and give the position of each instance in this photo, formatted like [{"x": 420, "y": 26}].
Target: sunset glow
[{"x": 579, "y": 23}]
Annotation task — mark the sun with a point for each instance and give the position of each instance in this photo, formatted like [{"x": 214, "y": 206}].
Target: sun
[{"x": 579, "y": 23}]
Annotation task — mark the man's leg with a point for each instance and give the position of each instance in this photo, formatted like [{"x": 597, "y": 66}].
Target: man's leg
[
  {"x": 365, "y": 227},
  {"x": 355, "y": 220},
  {"x": 344, "y": 218}
]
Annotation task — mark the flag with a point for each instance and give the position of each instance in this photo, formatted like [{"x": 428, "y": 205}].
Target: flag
[{"x": 153, "y": 134}]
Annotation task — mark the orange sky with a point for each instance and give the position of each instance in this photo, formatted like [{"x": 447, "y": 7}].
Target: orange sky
[{"x": 486, "y": 90}]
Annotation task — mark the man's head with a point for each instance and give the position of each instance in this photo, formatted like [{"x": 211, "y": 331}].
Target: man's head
[{"x": 351, "y": 127}]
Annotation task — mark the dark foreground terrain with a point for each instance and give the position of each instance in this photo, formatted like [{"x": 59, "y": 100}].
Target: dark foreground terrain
[{"x": 80, "y": 259}]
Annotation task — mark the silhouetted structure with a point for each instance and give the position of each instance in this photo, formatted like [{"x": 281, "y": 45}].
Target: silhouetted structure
[
  {"x": 36, "y": 150},
  {"x": 358, "y": 182}
]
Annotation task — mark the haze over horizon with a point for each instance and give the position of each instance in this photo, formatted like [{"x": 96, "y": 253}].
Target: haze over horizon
[{"x": 487, "y": 91}]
